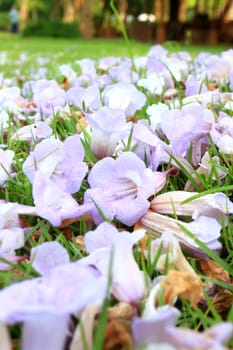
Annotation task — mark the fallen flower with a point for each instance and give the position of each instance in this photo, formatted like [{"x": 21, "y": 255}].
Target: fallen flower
[
  {"x": 128, "y": 281},
  {"x": 121, "y": 188},
  {"x": 171, "y": 255},
  {"x": 48, "y": 302},
  {"x": 206, "y": 229},
  {"x": 108, "y": 127},
  {"x": 62, "y": 162},
  {"x": 47, "y": 256},
  {"x": 215, "y": 205}
]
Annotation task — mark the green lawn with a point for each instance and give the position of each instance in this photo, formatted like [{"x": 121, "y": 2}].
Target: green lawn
[{"x": 69, "y": 49}]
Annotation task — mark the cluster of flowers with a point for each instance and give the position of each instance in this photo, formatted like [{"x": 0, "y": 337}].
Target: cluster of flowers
[{"x": 138, "y": 123}]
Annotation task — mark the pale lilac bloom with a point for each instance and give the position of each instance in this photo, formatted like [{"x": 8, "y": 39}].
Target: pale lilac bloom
[
  {"x": 107, "y": 62},
  {"x": 108, "y": 126},
  {"x": 195, "y": 123},
  {"x": 107, "y": 235},
  {"x": 106, "y": 243},
  {"x": 47, "y": 303},
  {"x": 215, "y": 205},
  {"x": 124, "y": 96},
  {"x": 68, "y": 72},
  {"x": 225, "y": 144},
  {"x": 171, "y": 255},
  {"x": 10, "y": 96},
  {"x": 121, "y": 188},
  {"x": 62, "y": 162},
  {"x": 154, "y": 151},
  {"x": 156, "y": 112},
  {"x": 11, "y": 234},
  {"x": 157, "y": 51},
  {"x": 212, "y": 338},
  {"x": 47, "y": 94},
  {"x": 149, "y": 146},
  {"x": 6, "y": 160},
  {"x": 123, "y": 72},
  {"x": 193, "y": 86},
  {"x": 53, "y": 203},
  {"x": 33, "y": 132},
  {"x": 153, "y": 328},
  {"x": 160, "y": 329},
  {"x": 4, "y": 120},
  {"x": 87, "y": 65},
  {"x": 47, "y": 256},
  {"x": 154, "y": 83},
  {"x": 86, "y": 99},
  {"x": 207, "y": 229}
]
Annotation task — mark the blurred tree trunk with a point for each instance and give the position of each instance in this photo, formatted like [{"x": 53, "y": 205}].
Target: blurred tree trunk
[
  {"x": 87, "y": 24},
  {"x": 69, "y": 11},
  {"x": 160, "y": 7},
  {"x": 56, "y": 10},
  {"x": 23, "y": 12}
]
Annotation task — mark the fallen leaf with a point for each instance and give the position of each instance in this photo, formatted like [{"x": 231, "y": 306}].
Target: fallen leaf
[
  {"x": 181, "y": 284},
  {"x": 213, "y": 270},
  {"x": 118, "y": 335},
  {"x": 121, "y": 310}
]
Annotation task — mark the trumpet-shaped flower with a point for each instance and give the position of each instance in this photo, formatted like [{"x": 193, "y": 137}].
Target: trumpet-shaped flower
[
  {"x": 153, "y": 328},
  {"x": 62, "y": 162},
  {"x": 34, "y": 132},
  {"x": 215, "y": 205},
  {"x": 47, "y": 256},
  {"x": 52, "y": 203},
  {"x": 11, "y": 235},
  {"x": 46, "y": 303},
  {"x": 124, "y": 96},
  {"x": 6, "y": 159},
  {"x": 195, "y": 123},
  {"x": 47, "y": 94},
  {"x": 205, "y": 228},
  {"x": 171, "y": 254},
  {"x": 108, "y": 127},
  {"x": 121, "y": 188},
  {"x": 128, "y": 281},
  {"x": 86, "y": 99},
  {"x": 159, "y": 330}
]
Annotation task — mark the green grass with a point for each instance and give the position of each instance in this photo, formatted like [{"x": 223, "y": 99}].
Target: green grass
[{"x": 69, "y": 49}]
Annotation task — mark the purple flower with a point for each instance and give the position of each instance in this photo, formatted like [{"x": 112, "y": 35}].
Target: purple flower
[
  {"x": 160, "y": 329},
  {"x": 106, "y": 236},
  {"x": 205, "y": 228},
  {"x": 86, "y": 99},
  {"x": 124, "y": 96},
  {"x": 153, "y": 329},
  {"x": 47, "y": 256},
  {"x": 128, "y": 282},
  {"x": 121, "y": 188},
  {"x": 108, "y": 127},
  {"x": 11, "y": 235},
  {"x": 62, "y": 162},
  {"x": 195, "y": 123},
  {"x": 52, "y": 203},
  {"x": 33, "y": 132},
  {"x": 6, "y": 159},
  {"x": 46, "y": 303},
  {"x": 47, "y": 94}
]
